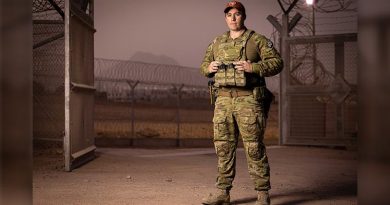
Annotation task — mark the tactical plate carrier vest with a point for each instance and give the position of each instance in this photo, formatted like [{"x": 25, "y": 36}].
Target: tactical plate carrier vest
[{"x": 227, "y": 53}]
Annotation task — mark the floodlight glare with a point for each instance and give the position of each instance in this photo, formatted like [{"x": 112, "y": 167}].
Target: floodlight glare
[{"x": 310, "y": 2}]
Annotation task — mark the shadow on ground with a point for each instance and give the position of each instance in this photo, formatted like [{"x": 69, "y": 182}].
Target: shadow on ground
[{"x": 321, "y": 192}]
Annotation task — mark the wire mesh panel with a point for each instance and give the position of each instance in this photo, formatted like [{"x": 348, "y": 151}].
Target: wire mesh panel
[
  {"x": 41, "y": 6},
  {"x": 312, "y": 120},
  {"x": 48, "y": 71},
  {"x": 321, "y": 91},
  {"x": 311, "y": 64},
  {"x": 350, "y": 65},
  {"x": 351, "y": 102},
  {"x": 63, "y": 76}
]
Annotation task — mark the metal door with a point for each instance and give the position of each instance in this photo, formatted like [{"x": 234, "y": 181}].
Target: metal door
[{"x": 79, "y": 83}]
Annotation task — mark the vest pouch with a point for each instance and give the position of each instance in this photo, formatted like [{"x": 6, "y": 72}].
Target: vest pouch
[
  {"x": 230, "y": 73},
  {"x": 240, "y": 78},
  {"x": 259, "y": 93},
  {"x": 220, "y": 77},
  {"x": 264, "y": 97}
]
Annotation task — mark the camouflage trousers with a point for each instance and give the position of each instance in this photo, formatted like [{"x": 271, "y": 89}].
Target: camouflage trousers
[{"x": 240, "y": 116}]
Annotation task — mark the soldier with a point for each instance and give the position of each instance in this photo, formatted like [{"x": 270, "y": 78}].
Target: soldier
[{"x": 239, "y": 60}]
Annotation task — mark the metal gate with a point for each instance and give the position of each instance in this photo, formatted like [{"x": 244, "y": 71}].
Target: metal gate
[
  {"x": 79, "y": 83},
  {"x": 320, "y": 105},
  {"x": 64, "y": 77}
]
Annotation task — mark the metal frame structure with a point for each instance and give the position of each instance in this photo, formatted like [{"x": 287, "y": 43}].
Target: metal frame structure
[
  {"x": 79, "y": 85},
  {"x": 286, "y": 90},
  {"x": 67, "y": 54},
  {"x": 333, "y": 132}
]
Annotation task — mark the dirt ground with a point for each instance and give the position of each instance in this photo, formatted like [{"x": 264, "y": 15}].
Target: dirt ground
[{"x": 299, "y": 175}]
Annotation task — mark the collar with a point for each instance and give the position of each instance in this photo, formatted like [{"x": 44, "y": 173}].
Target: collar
[{"x": 240, "y": 36}]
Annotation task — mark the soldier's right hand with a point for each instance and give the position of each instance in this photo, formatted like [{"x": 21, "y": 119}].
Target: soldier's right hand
[{"x": 213, "y": 67}]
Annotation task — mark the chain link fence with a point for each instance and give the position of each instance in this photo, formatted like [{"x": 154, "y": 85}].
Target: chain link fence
[
  {"x": 139, "y": 100},
  {"x": 133, "y": 99},
  {"x": 48, "y": 71},
  {"x": 322, "y": 95},
  {"x": 136, "y": 100}
]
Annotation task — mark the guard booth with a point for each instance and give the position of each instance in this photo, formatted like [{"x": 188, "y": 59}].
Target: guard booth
[
  {"x": 63, "y": 77},
  {"x": 320, "y": 104}
]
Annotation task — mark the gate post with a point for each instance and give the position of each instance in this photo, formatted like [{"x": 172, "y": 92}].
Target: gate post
[
  {"x": 283, "y": 82},
  {"x": 284, "y": 31}
]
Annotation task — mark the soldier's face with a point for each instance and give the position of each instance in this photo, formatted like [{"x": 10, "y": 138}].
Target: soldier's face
[{"x": 234, "y": 19}]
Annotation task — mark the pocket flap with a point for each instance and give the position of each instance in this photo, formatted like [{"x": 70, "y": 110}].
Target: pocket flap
[
  {"x": 219, "y": 119},
  {"x": 250, "y": 120}
]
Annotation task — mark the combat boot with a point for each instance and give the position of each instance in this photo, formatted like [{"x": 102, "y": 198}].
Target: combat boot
[
  {"x": 263, "y": 198},
  {"x": 219, "y": 197}
]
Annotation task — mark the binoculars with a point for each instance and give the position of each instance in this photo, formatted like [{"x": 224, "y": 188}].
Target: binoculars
[{"x": 226, "y": 66}]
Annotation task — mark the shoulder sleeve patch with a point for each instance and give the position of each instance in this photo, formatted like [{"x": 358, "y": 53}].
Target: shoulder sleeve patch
[{"x": 270, "y": 44}]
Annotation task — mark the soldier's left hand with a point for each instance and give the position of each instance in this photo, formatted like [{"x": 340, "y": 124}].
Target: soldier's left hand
[{"x": 245, "y": 66}]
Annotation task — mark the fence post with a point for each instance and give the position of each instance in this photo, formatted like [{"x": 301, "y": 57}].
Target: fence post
[
  {"x": 339, "y": 71},
  {"x": 132, "y": 86},
  {"x": 178, "y": 113}
]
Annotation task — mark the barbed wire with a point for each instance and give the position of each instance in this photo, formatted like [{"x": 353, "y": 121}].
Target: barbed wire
[
  {"x": 148, "y": 72},
  {"x": 326, "y": 6},
  {"x": 331, "y": 15}
]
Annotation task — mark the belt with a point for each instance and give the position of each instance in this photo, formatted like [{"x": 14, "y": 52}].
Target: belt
[{"x": 234, "y": 92}]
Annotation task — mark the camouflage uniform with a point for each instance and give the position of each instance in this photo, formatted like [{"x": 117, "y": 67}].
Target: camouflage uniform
[{"x": 242, "y": 115}]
